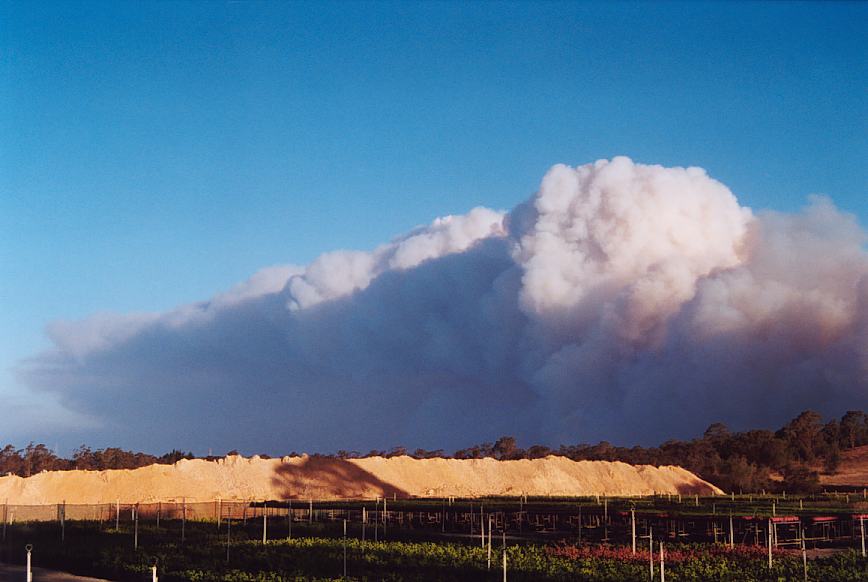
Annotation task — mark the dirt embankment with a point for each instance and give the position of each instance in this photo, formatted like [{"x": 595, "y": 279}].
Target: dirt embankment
[
  {"x": 325, "y": 478},
  {"x": 853, "y": 470}
]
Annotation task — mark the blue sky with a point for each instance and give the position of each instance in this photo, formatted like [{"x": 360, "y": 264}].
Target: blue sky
[{"x": 154, "y": 154}]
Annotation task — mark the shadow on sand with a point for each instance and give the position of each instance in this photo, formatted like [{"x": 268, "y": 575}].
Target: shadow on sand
[{"x": 322, "y": 478}]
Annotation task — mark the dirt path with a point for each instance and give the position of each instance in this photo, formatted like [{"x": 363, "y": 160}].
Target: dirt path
[{"x": 13, "y": 573}]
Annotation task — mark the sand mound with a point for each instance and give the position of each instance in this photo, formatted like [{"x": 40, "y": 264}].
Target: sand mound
[{"x": 325, "y": 478}]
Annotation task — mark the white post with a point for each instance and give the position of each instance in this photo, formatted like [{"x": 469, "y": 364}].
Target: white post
[
  {"x": 481, "y": 527},
  {"x": 154, "y": 574},
  {"x": 289, "y": 521},
  {"x": 310, "y": 511},
  {"x": 770, "y": 543},
  {"x": 804, "y": 560},
  {"x": 183, "y": 519},
  {"x": 118, "y": 515},
  {"x": 489, "y": 541},
  {"x": 633, "y": 528},
  {"x": 264, "y": 523},
  {"x": 345, "y": 548},
  {"x": 651, "y": 552},
  {"x": 662, "y": 565},
  {"x": 136, "y": 528},
  {"x": 504, "y": 564},
  {"x": 862, "y": 528},
  {"x": 29, "y": 549}
]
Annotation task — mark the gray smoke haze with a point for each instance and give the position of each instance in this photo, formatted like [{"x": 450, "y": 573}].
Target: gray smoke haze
[{"x": 625, "y": 302}]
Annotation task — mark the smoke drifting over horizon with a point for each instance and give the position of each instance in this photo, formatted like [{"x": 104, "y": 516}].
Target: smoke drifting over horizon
[{"x": 623, "y": 301}]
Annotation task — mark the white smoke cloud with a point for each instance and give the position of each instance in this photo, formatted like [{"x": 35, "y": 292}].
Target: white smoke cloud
[{"x": 623, "y": 301}]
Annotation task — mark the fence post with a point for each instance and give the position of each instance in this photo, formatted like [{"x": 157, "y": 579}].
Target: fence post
[
  {"x": 159, "y": 510},
  {"x": 5, "y": 517},
  {"x": 183, "y": 519},
  {"x": 228, "y": 536},
  {"x": 651, "y": 552},
  {"x": 662, "y": 565},
  {"x": 504, "y": 555},
  {"x": 345, "y": 548},
  {"x": 633, "y": 527},
  {"x": 770, "y": 543},
  {"x": 136, "y": 527},
  {"x": 29, "y": 548},
  {"x": 489, "y": 541},
  {"x": 289, "y": 521},
  {"x": 804, "y": 559},
  {"x": 118, "y": 515},
  {"x": 862, "y": 529},
  {"x": 731, "y": 532},
  {"x": 580, "y": 523},
  {"x": 264, "y": 522}
]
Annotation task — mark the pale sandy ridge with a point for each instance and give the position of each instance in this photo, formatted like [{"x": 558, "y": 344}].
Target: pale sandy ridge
[{"x": 324, "y": 478}]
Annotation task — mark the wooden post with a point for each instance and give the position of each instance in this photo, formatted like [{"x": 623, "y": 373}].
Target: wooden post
[
  {"x": 580, "y": 523},
  {"x": 504, "y": 556},
  {"x": 29, "y": 549},
  {"x": 118, "y": 515},
  {"x": 731, "y": 532},
  {"x": 219, "y": 512},
  {"x": 662, "y": 565},
  {"x": 489, "y": 541},
  {"x": 804, "y": 560},
  {"x": 862, "y": 529},
  {"x": 63, "y": 522},
  {"x": 633, "y": 528},
  {"x": 651, "y": 552},
  {"x": 183, "y": 519}
]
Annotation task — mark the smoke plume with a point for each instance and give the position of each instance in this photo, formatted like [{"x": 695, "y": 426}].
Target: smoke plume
[{"x": 622, "y": 301}]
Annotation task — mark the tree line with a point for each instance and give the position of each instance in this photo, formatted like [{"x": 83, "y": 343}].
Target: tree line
[{"x": 790, "y": 458}]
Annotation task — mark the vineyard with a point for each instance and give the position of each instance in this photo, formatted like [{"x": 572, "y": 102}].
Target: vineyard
[{"x": 598, "y": 539}]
